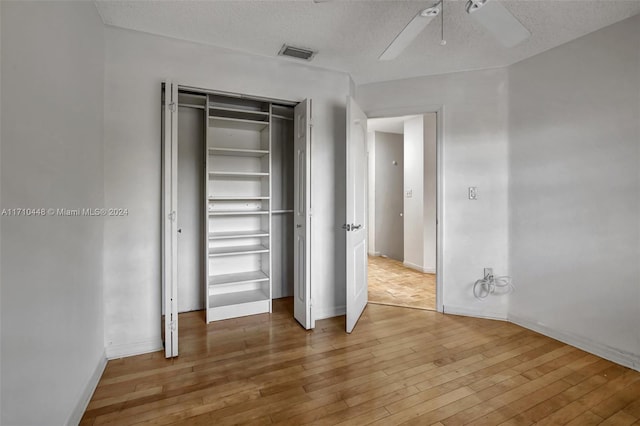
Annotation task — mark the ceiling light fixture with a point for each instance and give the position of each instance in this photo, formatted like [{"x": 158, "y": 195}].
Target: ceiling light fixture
[
  {"x": 498, "y": 21},
  {"x": 410, "y": 32}
]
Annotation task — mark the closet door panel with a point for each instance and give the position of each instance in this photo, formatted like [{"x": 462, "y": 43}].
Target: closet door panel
[
  {"x": 282, "y": 252},
  {"x": 190, "y": 215}
]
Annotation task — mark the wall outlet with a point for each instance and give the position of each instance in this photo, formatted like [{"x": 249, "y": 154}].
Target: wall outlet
[
  {"x": 488, "y": 271},
  {"x": 473, "y": 193}
]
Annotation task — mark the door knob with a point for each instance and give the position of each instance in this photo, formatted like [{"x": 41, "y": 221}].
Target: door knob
[
  {"x": 354, "y": 227},
  {"x": 346, "y": 227},
  {"x": 298, "y": 225}
]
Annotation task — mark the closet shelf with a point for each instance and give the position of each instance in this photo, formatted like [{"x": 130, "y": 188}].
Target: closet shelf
[
  {"x": 238, "y": 197},
  {"x": 239, "y": 278},
  {"x": 282, "y": 117},
  {"x": 237, "y": 234},
  {"x": 238, "y": 174},
  {"x": 237, "y": 212},
  {"x": 229, "y": 112},
  {"x": 237, "y": 123},
  {"x": 232, "y": 251},
  {"x": 237, "y": 298},
  {"x": 234, "y": 152}
]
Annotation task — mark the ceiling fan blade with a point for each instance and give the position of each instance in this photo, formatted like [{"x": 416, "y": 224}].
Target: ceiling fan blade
[
  {"x": 498, "y": 21},
  {"x": 409, "y": 33}
]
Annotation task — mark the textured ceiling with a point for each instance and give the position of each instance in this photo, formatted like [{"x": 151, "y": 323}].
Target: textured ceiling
[{"x": 350, "y": 35}]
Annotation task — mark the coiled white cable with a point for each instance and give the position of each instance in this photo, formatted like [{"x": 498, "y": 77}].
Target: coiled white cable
[{"x": 492, "y": 285}]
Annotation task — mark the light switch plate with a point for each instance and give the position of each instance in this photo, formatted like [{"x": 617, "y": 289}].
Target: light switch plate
[{"x": 473, "y": 193}]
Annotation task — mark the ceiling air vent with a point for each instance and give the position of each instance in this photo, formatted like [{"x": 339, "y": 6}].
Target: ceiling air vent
[{"x": 296, "y": 52}]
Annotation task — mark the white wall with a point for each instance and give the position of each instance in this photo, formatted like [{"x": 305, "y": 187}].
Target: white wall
[
  {"x": 52, "y": 157},
  {"x": 371, "y": 190},
  {"x": 475, "y": 233},
  {"x": 136, "y": 63},
  {"x": 414, "y": 182},
  {"x": 389, "y": 195},
  {"x": 574, "y": 130},
  {"x": 429, "y": 210}
]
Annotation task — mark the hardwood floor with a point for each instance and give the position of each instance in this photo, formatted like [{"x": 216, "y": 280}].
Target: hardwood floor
[
  {"x": 392, "y": 283},
  {"x": 399, "y": 366}
]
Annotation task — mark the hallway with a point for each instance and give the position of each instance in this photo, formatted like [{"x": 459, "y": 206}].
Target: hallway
[{"x": 391, "y": 283}]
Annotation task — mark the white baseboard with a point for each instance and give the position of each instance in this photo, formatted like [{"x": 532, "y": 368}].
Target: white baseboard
[
  {"x": 130, "y": 349},
  {"x": 85, "y": 398},
  {"x": 419, "y": 268},
  {"x": 618, "y": 356},
  {"x": 412, "y": 266},
  {"x": 334, "y": 311},
  {"x": 374, "y": 253},
  {"x": 476, "y": 313}
]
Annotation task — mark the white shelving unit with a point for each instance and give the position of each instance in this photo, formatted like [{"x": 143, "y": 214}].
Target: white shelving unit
[{"x": 238, "y": 210}]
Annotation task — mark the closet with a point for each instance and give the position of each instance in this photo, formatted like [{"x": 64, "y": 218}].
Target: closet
[{"x": 240, "y": 192}]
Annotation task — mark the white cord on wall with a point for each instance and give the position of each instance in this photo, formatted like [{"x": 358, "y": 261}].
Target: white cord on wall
[{"x": 492, "y": 285}]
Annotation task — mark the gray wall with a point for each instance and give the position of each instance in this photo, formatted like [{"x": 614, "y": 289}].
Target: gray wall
[
  {"x": 190, "y": 209},
  {"x": 574, "y": 130},
  {"x": 52, "y": 157},
  {"x": 388, "y": 200},
  {"x": 136, "y": 63}
]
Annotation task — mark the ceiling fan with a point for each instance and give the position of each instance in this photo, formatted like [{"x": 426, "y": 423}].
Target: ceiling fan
[{"x": 491, "y": 14}]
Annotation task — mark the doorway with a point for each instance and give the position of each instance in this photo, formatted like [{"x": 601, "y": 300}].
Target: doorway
[{"x": 402, "y": 210}]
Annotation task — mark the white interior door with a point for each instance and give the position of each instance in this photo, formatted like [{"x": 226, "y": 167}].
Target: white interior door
[
  {"x": 302, "y": 219},
  {"x": 356, "y": 179},
  {"x": 169, "y": 217}
]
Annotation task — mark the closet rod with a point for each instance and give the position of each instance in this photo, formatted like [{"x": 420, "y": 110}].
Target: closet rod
[{"x": 190, "y": 106}]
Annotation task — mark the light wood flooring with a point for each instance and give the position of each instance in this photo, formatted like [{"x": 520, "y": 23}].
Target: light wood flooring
[
  {"x": 392, "y": 283},
  {"x": 399, "y": 366}
]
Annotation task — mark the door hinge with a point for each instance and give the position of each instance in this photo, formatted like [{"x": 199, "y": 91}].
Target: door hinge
[
  {"x": 172, "y": 107},
  {"x": 172, "y": 216},
  {"x": 172, "y": 325}
]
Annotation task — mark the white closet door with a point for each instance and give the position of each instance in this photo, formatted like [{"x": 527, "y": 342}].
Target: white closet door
[
  {"x": 169, "y": 218},
  {"x": 302, "y": 202},
  {"x": 356, "y": 177}
]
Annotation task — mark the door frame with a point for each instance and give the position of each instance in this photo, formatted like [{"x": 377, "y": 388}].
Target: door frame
[{"x": 440, "y": 207}]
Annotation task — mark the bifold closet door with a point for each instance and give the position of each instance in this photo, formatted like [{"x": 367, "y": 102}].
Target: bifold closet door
[
  {"x": 169, "y": 218},
  {"x": 302, "y": 202}
]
